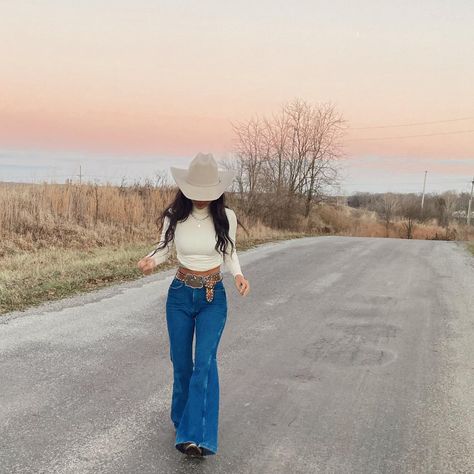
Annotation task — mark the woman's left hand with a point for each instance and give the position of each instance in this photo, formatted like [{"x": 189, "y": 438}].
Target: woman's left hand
[{"x": 242, "y": 285}]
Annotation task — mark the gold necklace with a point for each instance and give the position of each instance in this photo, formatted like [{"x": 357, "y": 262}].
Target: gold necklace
[{"x": 199, "y": 225}]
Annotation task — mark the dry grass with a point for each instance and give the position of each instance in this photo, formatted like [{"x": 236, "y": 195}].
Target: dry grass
[
  {"x": 343, "y": 220},
  {"x": 57, "y": 240},
  {"x": 36, "y": 216},
  {"x": 28, "y": 279},
  {"x": 470, "y": 247}
]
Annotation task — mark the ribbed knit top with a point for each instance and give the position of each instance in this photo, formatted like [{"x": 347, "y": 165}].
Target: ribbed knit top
[{"x": 195, "y": 239}]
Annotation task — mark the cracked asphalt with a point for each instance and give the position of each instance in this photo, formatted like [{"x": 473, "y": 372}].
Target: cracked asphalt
[{"x": 349, "y": 355}]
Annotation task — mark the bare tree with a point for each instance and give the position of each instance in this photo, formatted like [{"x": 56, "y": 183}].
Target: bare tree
[
  {"x": 321, "y": 172},
  {"x": 411, "y": 210},
  {"x": 289, "y": 156},
  {"x": 387, "y": 208},
  {"x": 251, "y": 149},
  {"x": 278, "y": 134},
  {"x": 451, "y": 199}
]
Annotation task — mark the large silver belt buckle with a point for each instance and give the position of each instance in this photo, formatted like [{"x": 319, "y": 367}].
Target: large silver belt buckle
[{"x": 194, "y": 281}]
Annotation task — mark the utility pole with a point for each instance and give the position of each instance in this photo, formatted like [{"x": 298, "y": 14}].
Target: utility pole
[
  {"x": 423, "y": 197},
  {"x": 470, "y": 202}
]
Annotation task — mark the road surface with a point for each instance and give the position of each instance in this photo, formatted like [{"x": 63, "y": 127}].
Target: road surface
[{"x": 350, "y": 355}]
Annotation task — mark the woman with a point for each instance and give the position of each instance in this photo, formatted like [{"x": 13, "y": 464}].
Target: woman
[{"x": 204, "y": 233}]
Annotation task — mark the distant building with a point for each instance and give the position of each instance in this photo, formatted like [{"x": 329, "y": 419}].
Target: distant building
[{"x": 462, "y": 214}]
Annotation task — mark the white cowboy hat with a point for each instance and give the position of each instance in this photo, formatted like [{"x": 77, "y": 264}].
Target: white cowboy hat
[{"x": 202, "y": 181}]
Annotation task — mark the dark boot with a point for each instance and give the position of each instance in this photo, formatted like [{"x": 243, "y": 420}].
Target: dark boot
[{"x": 192, "y": 449}]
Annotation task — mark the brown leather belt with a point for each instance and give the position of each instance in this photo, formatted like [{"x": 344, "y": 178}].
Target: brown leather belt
[{"x": 199, "y": 281}]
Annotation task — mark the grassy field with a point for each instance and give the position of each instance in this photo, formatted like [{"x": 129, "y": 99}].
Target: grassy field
[
  {"x": 29, "y": 279},
  {"x": 470, "y": 246},
  {"x": 59, "y": 240}
]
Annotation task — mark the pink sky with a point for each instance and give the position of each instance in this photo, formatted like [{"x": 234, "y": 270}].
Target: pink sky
[{"x": 168, "y": 77}]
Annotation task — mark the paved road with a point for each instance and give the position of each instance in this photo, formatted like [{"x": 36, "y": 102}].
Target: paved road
[{"x": 351, "y": 355}]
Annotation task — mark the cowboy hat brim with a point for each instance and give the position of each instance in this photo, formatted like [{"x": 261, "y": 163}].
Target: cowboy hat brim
[{"x": 202, "y": 193}]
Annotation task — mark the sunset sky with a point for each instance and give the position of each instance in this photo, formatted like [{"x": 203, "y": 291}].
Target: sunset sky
[{"x": 127, "y": 88}]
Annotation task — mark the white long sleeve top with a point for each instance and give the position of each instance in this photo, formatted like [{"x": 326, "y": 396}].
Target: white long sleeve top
[{"x": 195, "y": 239}]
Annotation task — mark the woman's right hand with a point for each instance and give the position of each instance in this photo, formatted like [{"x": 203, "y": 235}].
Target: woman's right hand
[{"x": 146, "y": 265}]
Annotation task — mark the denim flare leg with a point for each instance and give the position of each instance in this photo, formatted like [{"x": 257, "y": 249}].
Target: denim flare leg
[{"x": 195, "y": 399}]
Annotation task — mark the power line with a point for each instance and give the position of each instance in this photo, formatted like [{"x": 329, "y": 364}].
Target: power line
[
  {"x": 441, "y": 180},
  {"x": 417, "y": 183},
  {"x": 437, "y": 181},
  {"x": 410, "y": 136},
  {"x": 412, "y": 124}
]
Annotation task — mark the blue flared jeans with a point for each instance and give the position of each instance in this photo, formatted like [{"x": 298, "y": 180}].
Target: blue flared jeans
[{"x": 195, "y": 399}]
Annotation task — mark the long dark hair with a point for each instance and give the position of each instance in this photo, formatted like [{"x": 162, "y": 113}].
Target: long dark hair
[{"x": 179, "y": 210}]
